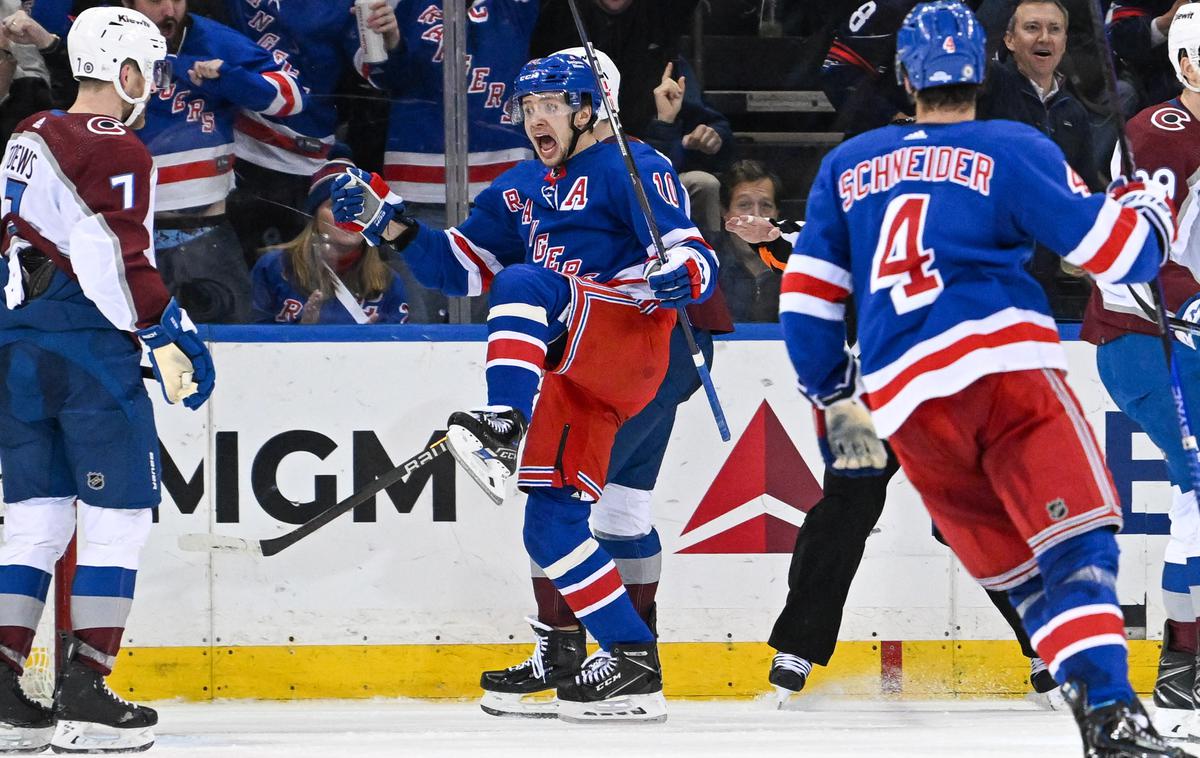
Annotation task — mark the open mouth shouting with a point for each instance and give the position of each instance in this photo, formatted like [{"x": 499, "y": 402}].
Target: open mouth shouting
[{"x": 545, "y": 143}]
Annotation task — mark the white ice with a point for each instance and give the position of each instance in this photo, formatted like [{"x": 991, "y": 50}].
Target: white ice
[{"x": 817, "y": 727}]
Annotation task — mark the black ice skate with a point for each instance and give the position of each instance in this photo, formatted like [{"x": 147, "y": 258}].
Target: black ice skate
[
  {"x": 1118, "y": 730},
  {"x": 624, "y": 684},
  {"x": 26, "y": 725},
  {"x": 1174, "y": 696},
  {"x": 92, "y": 719},
  {"x": 789, "y": 674},
  {"x": 529, "y": 688},
  {"x": 485, "y": 442},
  {"x": 1046, "y": 692}
]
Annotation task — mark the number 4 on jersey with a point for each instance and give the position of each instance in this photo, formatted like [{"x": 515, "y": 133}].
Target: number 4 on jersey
[{"x": 902, "y": 262}]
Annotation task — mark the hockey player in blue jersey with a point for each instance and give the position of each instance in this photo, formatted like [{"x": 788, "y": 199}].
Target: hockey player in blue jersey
[
  {"x": 927, "y": 227},
  {"x": 575, "y": 290},
  {"x": 77, "y": 432}
]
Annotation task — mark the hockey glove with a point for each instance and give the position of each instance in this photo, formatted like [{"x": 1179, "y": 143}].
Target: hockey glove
[
  {"x": 180, "y": 359},
  {"x": 1152, "y": 201},
  {"x": 363, "y": 203},
  {"x": 848, "y": 441},
  {"x": 682, "y": 279}
]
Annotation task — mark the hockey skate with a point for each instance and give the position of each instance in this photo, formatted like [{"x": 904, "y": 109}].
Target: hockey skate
[
  {"x": 1174, "y": 696},
  {"x": 622, "y": 685},
  {"x": 484, "y": 442},
  {"x": 1118, "y": 730},
  {"x": 26, "y": 725},
  {"x": 528, "y": 689},
  {"x": 1046, "y": 692},
  {"x": 92, "y": 719},
  {"x": 789, "y": 674}
]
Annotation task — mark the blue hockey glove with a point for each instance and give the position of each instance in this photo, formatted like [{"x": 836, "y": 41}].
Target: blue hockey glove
[
  {"x": 1152, "y": 202},
  {"x": 363, "y": 203},
  {"x": 682, "y": 279},
  {"x": 1189, "y": 312},
  {"x": 180, "y": 359},
  {"x": 848, "y": 441}
]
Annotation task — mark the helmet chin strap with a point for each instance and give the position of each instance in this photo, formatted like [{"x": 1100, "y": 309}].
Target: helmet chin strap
[
  {"x": 138, "y": 103},
  {"x": 576, "y": 133}
]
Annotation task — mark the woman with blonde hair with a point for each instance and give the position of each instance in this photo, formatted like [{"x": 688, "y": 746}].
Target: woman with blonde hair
[{"x": 326, "y": 275}]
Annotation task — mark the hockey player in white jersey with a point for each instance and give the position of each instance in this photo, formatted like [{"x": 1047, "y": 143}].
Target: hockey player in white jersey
[{"x": 77, "y": 429}]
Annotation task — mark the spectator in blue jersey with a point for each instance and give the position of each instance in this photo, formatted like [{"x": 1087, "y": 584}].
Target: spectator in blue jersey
[
  {"x": 415, "y": 160},
  {"x": 695, "y": 137},
  {"x": 1137, "y": 30},
  {"x": 327, "y": 275},
  {"x": 189, "y": 130},
  {"x": 278, "y": 153}
]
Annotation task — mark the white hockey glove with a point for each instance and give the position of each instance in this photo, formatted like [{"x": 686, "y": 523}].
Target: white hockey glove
[
  {"x": 849, "y": 442},
  {"x": 1152, "y": 201},
  {"x": 363, "y": 203},
  {"x": 180, "y": 359},
  {"x": 682, "y": 279}
]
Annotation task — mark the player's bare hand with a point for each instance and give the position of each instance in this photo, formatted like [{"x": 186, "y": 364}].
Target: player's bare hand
[
  {"x": 668, "y": 95},
  {"x": 202, "y": 70},
  {"x": 311, "y": 312},
  {"x": 383, "y": 20},
  {"x": 752, "y": 229},
  {"x": 703, "y": 138},
  {"x": 23, "y": 30}
]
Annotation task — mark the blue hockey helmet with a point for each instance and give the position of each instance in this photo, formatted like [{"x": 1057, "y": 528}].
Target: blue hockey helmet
[
  {"x": 568, "y": 74},
  {"x": 939, "y": 44}
]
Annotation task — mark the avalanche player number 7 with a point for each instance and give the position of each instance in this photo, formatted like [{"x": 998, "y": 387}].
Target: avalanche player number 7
[{"x": 902, "y": 262}]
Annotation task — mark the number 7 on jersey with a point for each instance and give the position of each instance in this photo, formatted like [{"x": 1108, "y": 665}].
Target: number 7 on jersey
[{"x": 902, "y": 262}]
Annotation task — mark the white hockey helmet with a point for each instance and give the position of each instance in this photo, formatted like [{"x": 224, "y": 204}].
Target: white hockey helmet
[
  {"x": 102, "y": 39},
  {"x": 1184, "y": 37},
  {"x": 610, "y": 77}
]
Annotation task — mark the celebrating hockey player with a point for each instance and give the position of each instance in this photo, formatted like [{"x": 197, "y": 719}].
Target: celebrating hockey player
[
  {"x": 1165, "y": 142},
  {"x": 76, "y": 425},
  {"x": 574, "y": 289},
  {"x": 927, "y": 226}
]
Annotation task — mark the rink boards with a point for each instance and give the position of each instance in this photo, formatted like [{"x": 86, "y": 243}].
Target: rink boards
[{"x": 414, "y": 596}]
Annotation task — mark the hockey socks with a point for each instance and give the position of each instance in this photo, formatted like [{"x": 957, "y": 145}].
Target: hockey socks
[
  {"x": 23, "y": 592},
  {"x": 100, "y": 601},
  {"x": 639, "y": 563},
  {"x": 525, "y": 300},
  {"x": 1073, "y": 617},
  {"x": 558, "y": 540}
]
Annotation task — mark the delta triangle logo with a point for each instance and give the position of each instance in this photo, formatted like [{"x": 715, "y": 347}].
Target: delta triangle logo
[{"x": 758, "y": 499}]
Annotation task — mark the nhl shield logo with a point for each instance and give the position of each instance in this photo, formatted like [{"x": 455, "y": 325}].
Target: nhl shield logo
[
  {"x": 1057, "y": 509},
  {"x": 948, "y": 45},
  {"x": 95, "y": 480}
]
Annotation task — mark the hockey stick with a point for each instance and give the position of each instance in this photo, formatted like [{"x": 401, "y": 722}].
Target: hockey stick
[
  {"x": 639, "y": 191},
  {"x": 1187, "y": 435},
  {"x": 218, "y": 543}
]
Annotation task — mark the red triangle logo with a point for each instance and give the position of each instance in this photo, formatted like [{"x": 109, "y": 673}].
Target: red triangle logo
[{"x": 748, "y": 474}]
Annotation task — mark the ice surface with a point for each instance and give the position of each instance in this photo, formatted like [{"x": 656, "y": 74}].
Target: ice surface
[{"x": 816, "y": 727}]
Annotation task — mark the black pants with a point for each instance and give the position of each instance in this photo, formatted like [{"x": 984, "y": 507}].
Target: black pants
[{"x": 829, "y": 548}]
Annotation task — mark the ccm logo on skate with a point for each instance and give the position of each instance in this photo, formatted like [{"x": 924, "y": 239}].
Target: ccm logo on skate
[
  {"x": 758, "y": 499},
  {"x": 369, "y": 459}
]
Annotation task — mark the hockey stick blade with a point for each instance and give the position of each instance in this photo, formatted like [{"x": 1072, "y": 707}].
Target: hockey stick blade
[
  {"x": 218, "y": 543},
  {"x": 268, "y": 547}
]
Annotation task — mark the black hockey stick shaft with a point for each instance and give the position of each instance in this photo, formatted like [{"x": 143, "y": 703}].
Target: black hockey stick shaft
[
  {"x": 395, "y": 475},
  {"x": 1186, "y": 428},
  {"x": 639, "y": 191}
]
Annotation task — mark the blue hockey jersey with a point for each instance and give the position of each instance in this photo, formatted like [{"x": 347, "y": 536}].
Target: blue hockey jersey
[
  {"x": 929, "y": 227},
  {"x": 189, "y": 128},
  {"x": 498, "y": 33},
  {"x": 581, "y": 219},
  {"x": 278, "y": 301},
  {"x": 319, "y": 38}
]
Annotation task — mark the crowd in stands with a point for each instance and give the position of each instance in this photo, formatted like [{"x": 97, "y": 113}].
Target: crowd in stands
[{"x": 269, "y": 98}]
